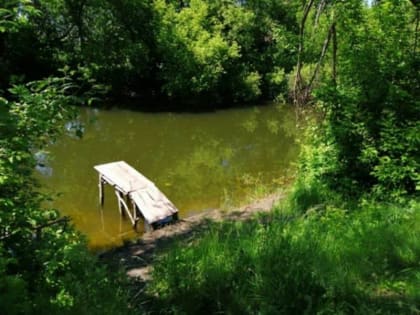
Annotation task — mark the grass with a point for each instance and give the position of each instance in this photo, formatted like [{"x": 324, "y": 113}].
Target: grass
[{"x": 364, "y": 260}]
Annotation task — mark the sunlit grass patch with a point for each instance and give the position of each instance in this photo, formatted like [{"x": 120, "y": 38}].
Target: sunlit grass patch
[{"x": 330, "y": 261}]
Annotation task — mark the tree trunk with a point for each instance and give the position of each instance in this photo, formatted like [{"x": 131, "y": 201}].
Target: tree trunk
[
  {"x": 416, "y": 32},
  {"x": 334, "y": 65},
  {"x": 321, "y": 7},
  {"x": 298, "y": 78},
  {"x": 327, "y": 40}
]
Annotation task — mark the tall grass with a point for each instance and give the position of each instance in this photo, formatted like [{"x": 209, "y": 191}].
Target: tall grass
[{"x": 332, "y": 261}]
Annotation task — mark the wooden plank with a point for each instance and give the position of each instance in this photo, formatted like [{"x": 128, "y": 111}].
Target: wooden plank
[
  {"x": 150, "y": 201},
  {"x": 124, "y": 176},
  {"x": 123, "y": 206},
  {"x": 153, "y": 205}
]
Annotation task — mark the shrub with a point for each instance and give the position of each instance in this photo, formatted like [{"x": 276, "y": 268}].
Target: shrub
[
  {"x": 45, "y": 268},
  {"x": 362, "y": 260}
]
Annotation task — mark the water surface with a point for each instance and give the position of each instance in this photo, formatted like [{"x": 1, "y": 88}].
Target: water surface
[{"x": 199, "y": 161}]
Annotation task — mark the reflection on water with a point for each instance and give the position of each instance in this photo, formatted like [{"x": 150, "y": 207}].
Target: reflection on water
[
  {"x": 199, "y": 161},
  {"x": 42, "y": 163}
]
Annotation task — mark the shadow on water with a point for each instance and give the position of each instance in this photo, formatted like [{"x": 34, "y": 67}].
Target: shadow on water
[{"x": 159, "y": 105}]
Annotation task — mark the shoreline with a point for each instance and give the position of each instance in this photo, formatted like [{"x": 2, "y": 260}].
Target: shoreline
[{"x": 136, "y": 258}]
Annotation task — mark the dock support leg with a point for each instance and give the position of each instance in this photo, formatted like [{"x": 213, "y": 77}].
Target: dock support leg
[
  {"x": 133, "y": 205},
  {"x": 120, "y": 203},
  {"x": 135, "y": 214},
  {"x": 122, "y": 206},
  {"x": 101, "y": 190},
  {"x": 102, "y": 218}
]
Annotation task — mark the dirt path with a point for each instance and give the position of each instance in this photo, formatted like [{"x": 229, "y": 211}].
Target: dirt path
[{"x": 137, "y": 258}]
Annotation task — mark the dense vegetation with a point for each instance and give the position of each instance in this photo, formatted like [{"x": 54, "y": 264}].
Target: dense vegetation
[
  {"x": 326, "y": 262},
  {"x": 178, "y": 50},
  {"x": 45, "y": 267},
  {"x": 346, "y": 241}
]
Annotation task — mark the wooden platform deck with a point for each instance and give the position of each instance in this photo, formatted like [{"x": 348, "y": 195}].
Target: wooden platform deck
[{"x": 132, "y": 187}]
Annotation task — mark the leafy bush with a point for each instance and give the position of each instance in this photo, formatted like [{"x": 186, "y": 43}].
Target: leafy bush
[
  {"x": 372, "y": 113},
  {"x": 362, "y": 260},
  {"x": 45, "y": 267},
  {"x": 348, "y": 240}
]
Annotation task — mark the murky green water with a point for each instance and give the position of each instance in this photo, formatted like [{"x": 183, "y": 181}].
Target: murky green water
[{"x": 199, "y": 161}]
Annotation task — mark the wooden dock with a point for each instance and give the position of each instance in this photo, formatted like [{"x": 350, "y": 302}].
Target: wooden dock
[{"x": 131, "y": 187}]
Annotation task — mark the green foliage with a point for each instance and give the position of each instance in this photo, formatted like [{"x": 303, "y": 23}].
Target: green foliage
[
  {"x": 40, "y": 107},
  {"x": 368, "y": 143},
  {"x": 13, "y": 289},
  {"x": 363, "y": 260},
  {"x": 45, "y": 268},
  {"x": 15, "y": 14},
  {"x": 193, "y": 52},
  {"x": 395, "y": 156},
  {"x": 223, "y": 50},
  {"x": 333, "y": 250},
  {"x": 348, "y": 252},
  {"x": 204, "y": 48}
]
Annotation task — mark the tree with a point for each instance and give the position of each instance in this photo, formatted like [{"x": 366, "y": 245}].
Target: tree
[
  {"x": 44, "y": 262},
  {"x": 371, "y": 103}
]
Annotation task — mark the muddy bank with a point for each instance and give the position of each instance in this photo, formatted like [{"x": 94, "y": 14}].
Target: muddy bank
[{"x": 136, "y": 258}]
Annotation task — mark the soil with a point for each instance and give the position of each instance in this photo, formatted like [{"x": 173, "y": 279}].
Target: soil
[{"x": 137, "y": 257}]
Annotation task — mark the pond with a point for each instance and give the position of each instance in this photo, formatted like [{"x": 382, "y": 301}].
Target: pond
[{"x": 199, "y": 160}]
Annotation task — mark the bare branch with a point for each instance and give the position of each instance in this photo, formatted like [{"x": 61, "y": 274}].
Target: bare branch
[
  {"x": 298, "y": 78},
  {"x": 331, "y": 30}
]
